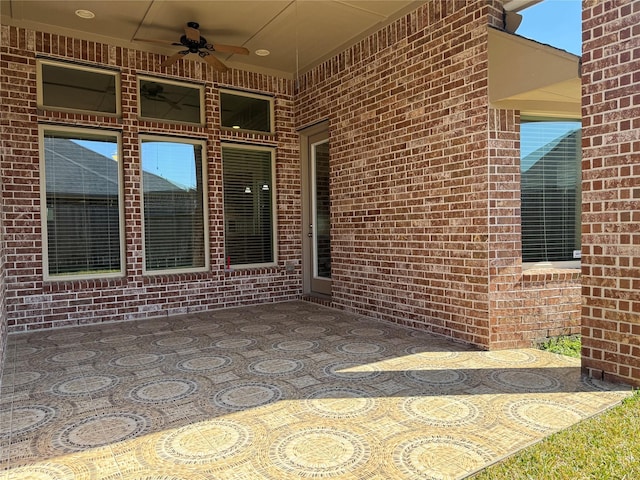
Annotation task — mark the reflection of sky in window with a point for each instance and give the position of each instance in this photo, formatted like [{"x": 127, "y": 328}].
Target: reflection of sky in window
[
  {"x": 536, "y": 135},
  {"x": 174, "y": 162}
]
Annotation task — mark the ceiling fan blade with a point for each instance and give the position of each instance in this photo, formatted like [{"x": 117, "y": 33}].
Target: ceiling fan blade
[
  {"x": 213, "y": 61},
  {"x": 191, "y": 31},
  {"x": 217, "y": 47},
  {"x": 174, "y": 58}
]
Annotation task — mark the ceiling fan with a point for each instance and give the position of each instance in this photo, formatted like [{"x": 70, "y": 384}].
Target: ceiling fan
[{"x": 196, "y": 43}]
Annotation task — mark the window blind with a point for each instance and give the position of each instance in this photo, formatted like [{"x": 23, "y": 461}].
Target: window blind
[
  {"x": 82, "y": 192},
  {"x": 248, "y": 205},
  {"x": 174, "y": 236},
  {"x": 550, "y": 190}
]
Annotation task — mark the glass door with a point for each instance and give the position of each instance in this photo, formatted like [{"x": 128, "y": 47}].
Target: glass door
[{"x": 319, "y": 228}]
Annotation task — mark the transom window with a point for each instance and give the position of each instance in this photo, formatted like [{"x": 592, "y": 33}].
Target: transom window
[
  {"x": 550, "y": 167},
  {"x": 171, "y": 101},
  {"x": 81, "y": 202},
  {"x": 173, "y": 173},
  {"x": 249, "y": 206},
  {"x": 246, "y": 111},
  {"x": 70, "y": 87}
]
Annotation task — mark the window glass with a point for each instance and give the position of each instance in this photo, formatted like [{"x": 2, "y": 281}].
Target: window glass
[
  {"x": 82, "y": 190},
  {"x": 249, "y": 219},
  {"x": 173, "y": 198},
  {"x": 172, "y": 101},
  {"x": 246, "y": 111},
  {"x": 551, "y": 190},
  {"x": 74, "y": 87}
]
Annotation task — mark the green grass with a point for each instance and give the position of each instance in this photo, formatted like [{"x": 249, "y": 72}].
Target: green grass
[
  {"x": 603, "y": 447},
  {"x": 568, "y": 345}
]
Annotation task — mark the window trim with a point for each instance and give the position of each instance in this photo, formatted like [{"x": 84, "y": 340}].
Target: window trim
[
  {"x": 88, "y": 132},
  {"x": 243, "y": 93},
  {"x": 274, "y": 206},
  {"x": 546, "y": 265},
  {"x": 195, "y": 86},
  {"x": 76, "y": 66},
  {"x": 205, "y": 205}
]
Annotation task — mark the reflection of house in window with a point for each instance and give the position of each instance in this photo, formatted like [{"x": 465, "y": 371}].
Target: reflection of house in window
[
  {"x": 83, "y": 227},
  {"x": 550, "y": 184},
  {"x": 173, "y": 222}
]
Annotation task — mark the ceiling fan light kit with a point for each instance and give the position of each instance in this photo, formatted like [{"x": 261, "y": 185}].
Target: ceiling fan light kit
[{"x": 195, "y": 43}]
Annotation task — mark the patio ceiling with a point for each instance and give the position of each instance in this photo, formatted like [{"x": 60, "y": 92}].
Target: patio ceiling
[{"x": 299, "y": 34}]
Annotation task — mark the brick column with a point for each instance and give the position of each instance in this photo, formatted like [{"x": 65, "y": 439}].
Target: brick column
[{"x": 611, "y": 190}]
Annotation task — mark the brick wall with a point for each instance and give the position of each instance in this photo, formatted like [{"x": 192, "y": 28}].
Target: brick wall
[
  {"x": 531, "y": 305},
  {"x": 611, "y": 190},
  {"x": 424, "y": 179},
  {"x": 425, "y": 184},
  {"x": 32, "y": 303}
]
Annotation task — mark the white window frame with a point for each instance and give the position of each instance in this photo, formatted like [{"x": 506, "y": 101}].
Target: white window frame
[
  {"x": 241, "y": 93},
  {"x": 274, "y": 206},
  {"x": 545, "y": 265},
  {"x": 87, "y": 132},
  {"x": 72, "y": 66},
  {"x": 205, "y": 205}
]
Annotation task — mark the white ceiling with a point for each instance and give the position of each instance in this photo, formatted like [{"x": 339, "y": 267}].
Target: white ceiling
[{"x": 298, "y": 33}]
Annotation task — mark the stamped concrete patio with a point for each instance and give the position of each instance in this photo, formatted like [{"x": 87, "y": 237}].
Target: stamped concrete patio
[{"x": 276, "y": 391}]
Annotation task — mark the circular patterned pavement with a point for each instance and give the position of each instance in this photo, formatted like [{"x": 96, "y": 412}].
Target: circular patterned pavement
[
  {"x": 320, "y": 452},
  {"x": 296, "y": 345},
  {"x": 43, "y": 471},
  {"x": 351, "y": 371},
  {"x": 234, "y": 343},
  {"x": 162, "y": 391},
  {"x": 312, "y": 330},
  {"x": 209, "y": 442},
  {"x": 366, "y": 332},
  {"x": 510, "y": 357},
  {"x": 441, "y": 411},
  {"x": 137, "y": 360},
  {"x": 22, "y": 378},
  {"x": 360, "y": 348},
  {"x": 524, "y": 380},
  {"x": 204, "y": 363},
  {"x": 543, "y": 415},
  {"x": 247, "y": 395},
  {"x": 118, "y": 339},
  {"x": 74, "y": 356},
  {"x": 102, "y": 430},
  {"x": 26, "y": 419},
  {"x": 432, "y": 353},
  {"x": 340, "y": 402},
  {"x": 439, "y": 457},
  {"x": 178, "y": 341},
  {"x": 276, "y": 366},
  {"x": 438, "y": 377},
  {"x": 85, "y": 385}
]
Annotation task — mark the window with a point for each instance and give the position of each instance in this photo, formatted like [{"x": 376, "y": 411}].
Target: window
[
  {"x": 551, "y": 192},
  {"x": 172, "y": 101},
  {"x": 81, "y": 202},
  {"x": 249, "y": 208},
  {"x": 246, "y": 111},
  {"x": 73, "y": 87},
  {"x": 173, "y": 198}
]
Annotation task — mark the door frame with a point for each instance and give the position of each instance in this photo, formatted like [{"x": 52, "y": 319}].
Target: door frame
[{"x": 308, "y": 136}]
